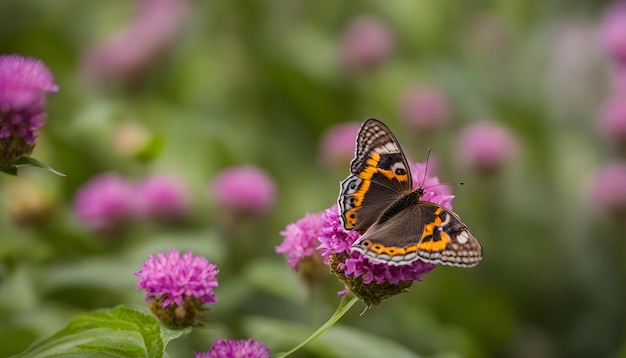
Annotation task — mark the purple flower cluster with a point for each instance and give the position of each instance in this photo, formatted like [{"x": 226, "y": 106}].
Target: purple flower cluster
[
  {"x": 612, "y": 32},
  {"x": 608, "y": 189},
  {"x": 365, "y": 43},
  {"x": 335, "y": 240},
  {"x": 245, "y": 190},
  {"x": 173, "y": 277},
  {"x": 300, "y": 238},
  {"x": 486, "y": 147},
  {"x": 162, "y": 197},
  {"x": 105, "y": 202},
  {"x": 23, "y": 85},
  {"x": 108, "y": 201},
  {"x": 228, "y": 348},
  {"x": 337, "y": 144},
  {"x": 129, "y": 52},
  {"x": 425, "y": 108}
]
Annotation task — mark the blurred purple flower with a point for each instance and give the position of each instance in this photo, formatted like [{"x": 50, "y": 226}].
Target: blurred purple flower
[
  {"x": 613, "y": 32},
  {"x": 337, "y": 144},
  {"x": 173, "y": 278},
  {"x": 608, "y": 190},
  {"x": 365, "y": 43},
  {"x": 486, "y": 147},
  {"x": 105, "y": 202},
  {"x": 228, "y": 348},
  {"x": 300, "y": 238},
  {"x": 162, "y": 197},
  {"x": 128, "y": 53},
  {"x": 244, "y": 190},
  {"x": 424, "y": 108},
  {"x": 23, "y": 85}
]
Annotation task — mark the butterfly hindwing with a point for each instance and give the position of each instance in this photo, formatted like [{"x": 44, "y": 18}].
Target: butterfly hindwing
[
  {"x": 424, "y": 231},
  {"x": 380, "y": 174}
]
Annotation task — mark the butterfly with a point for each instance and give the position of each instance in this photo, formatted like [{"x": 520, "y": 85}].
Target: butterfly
[{"x": 377, "y": 200}]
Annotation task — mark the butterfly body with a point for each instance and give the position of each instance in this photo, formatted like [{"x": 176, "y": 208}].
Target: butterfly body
[{"x": 397, "y": 226}]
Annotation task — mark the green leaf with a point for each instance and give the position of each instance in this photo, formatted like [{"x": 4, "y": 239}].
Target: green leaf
[
  {"x": 9, "y": 169},
  {"x": 28, "y": 161},
  {"x": 118, "y": 332}
]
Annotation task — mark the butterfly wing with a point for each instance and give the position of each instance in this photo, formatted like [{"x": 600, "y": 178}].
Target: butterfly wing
[
  {"x": 424, "y": 231},
  {"x": 379, "y": 176}
]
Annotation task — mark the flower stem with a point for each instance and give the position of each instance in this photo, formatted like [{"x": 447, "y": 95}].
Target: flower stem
[{"x": 346, "y": 303}]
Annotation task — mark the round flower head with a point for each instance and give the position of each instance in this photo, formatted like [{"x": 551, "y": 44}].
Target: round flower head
[
  {"x": 371, "y": 281},
  {"x": 608, "y": 190},
  {"x": 23, "y": 82},
  {"x": 301, "y": 238},
  {"x": 365, "y": 43},
  {"x": 337, "y": 144},
  {"x": 177, "y": 286},
  {"x": 162, "y": 197},
  {"x": 228, "y": 348},
  {"x": 613, "y": 32},
  {"x": 127, "y": 54},
  {"x": 244, "y": 190},
  {"x": 300, "y": 246},
  {"x": 424, "y": 108},
  {"x": 23, "y": 85},
  {"x": 486, "y": 147},
  {"x": 105, "y": 202}
]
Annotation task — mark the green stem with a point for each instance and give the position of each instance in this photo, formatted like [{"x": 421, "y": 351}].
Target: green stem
[{"x": 348, "y": 301}]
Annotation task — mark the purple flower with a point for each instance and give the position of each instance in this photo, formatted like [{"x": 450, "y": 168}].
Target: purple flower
[
  {"x": 23, "y": 85},
  {"x": 608, "y": 190},
  {"x": 300, "y": 238},
  {"x": 337, "y": 144},
  {"x": 162, "y": 197},
  {"x": 105, "y": 202},
  {"x": 177, "y": 287},
  {"x": 244, "y": 190},
  {"x": 613, "y": 119},
  {"x": 365, "y": 43},
  {"x": 128, "y": 53},
  {"x": 486, "y": 147},
  {"x": 228, "y": 348},
  {"x": 175, "y": 278},
  {"x": 613, "y": 32},
  {"x": 424, "y": 108},
  {"x": 336, "y": 240}
]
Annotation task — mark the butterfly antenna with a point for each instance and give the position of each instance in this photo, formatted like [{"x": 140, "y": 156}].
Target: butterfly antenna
[{"x": 426, "y": 168}]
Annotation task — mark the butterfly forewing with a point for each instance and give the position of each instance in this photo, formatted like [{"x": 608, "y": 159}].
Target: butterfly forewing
[{"x": 379, "y": 175}]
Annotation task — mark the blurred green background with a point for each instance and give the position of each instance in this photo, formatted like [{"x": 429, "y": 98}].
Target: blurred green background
[{"x": 258, "y": 82}]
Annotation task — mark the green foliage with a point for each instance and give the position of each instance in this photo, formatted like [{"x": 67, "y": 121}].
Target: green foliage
[
  {"x": 11, "y": 168},
  {"x": 118, "y": 332}
]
